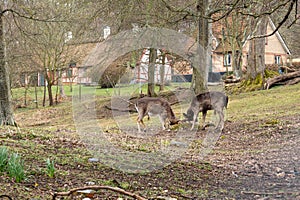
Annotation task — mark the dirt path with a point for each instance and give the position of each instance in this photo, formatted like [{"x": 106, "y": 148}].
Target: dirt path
[
  {"x": 251, "y": 160},
  {"x": 260, "y": 164}
]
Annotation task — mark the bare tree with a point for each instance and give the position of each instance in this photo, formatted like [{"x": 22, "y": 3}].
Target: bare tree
[
  {"x": 151, "y": 71},
  {"x": 49, "y": 34},
  {"x": 256, "y": 55},
  {"x": 6, "y": 112},
  {"x": 200, "y": 72},
  {"x": 252, "y": 18},
  {"x": 162, "y": 70}
]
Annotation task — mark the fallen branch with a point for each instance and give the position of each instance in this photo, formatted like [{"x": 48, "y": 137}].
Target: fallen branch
[
  {"x": 293, "y": 81},
  {"x": 287, "y": 79},
  {"x": 235, "y": 80},
  {"x": 268, "y": 193},
  {"x": 121, "y": 110},
  {"x": 4, "y": 195},
  {"x": 97, "y": 187}
]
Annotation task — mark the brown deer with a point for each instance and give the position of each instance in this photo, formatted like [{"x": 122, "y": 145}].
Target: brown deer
[
  {"x": 203, "y": 102},
  {"x": 152, "y": 106}
]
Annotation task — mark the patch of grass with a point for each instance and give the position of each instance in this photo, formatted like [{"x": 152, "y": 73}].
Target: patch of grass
[
  {"x": 205, "y": 166},
  {"x": 264, "y": 104},
  {"x": 203, "y": 193},
  {"x": 125, "y": 185},
  {"x": 15, "y": 168},
  {"x": 3, "y": 158},
  {"x": 12, "y": 164},
  {"x": 182, "y": 191},
  {"x": 50, "y": 168},
  {"x": 43, "y": 133},
  {"x": 272, "y": 122}
]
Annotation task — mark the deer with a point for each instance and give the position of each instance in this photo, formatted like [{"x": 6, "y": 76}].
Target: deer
[
  {"x": 152, "y": 106},
  {"x": 203, "y": 102}
]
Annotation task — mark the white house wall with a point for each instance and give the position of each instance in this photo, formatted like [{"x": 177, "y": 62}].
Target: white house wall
[{"x": 141, "y": 71}]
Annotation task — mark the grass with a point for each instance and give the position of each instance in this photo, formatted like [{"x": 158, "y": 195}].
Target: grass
[
  {"x": 15, "y": 168},
  {"x": 266, "y": 104},
  {"x": 123, "y": 90},
  {"x": 12, "y": 164},
  {"x": 50, "y": 169},
  {"x": 50, "y": 133},
  {"x": 3, "y": 158}
]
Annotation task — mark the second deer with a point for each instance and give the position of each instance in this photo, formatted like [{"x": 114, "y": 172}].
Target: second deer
[{"x": 152, "y": 106}]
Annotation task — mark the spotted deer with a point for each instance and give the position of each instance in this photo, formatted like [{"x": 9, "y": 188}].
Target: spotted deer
[
  {"x": 203, "y": 102},
  {"x": 152, "y": 106}
]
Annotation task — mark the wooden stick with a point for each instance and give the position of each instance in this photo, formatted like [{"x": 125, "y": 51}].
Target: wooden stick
[
  {"x": 98, "y": 187},
  {"x": 267, "y": 193},
  {"x": 4, "y": 195}
]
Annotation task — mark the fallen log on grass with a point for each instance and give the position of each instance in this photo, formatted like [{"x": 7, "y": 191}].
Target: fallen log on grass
[
  {"x": 235, "y": 80},
  {"x": 285, "y": 79}
]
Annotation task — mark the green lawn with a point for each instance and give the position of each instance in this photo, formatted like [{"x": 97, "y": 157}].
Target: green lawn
[
  {"x": 49, "y": 134},
  {"x": 22, "y": 94}
]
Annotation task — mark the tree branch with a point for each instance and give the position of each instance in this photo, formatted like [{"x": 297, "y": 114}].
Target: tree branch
[
  {"x": 296, "y": 16},
  {"x": 280, "y": 23},
  {"x": 234, "y": 5},
  {"x": 29, "y": 17},
  {"x": 266, "y": 12}
]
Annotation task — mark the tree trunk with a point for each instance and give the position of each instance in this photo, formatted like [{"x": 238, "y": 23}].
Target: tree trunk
[
  {"x": 62, "y": 91},
  {"x": 256, "y": 56},
  {"x": 162, "y": 72},
  {"x": 56, "y": 94},
  {"x": 238, "y": 60},
  {"x": 62, "y": 94},
  {"x": 6, "y": 111},
  {"x": 36, "y": 97},
  {"x": 49, "y": 88},
  {"x": 45, "y": 91},
  {"x": 200, "y": 71},
  {"x": 151, "y": 70},
  {"x": 50, "y": 95}
]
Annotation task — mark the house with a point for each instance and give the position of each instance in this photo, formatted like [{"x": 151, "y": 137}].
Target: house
[
  {"x": 276, "y": 52},
  {"x": 141, "y": 69},
  {"x": 76, "y": 75},
  {"x": 75, "y": 72}
]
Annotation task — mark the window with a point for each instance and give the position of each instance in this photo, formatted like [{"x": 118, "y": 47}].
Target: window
[
  {"x": 277, "y": 60},
  {"x": 69, "y": 72},
  {"x": 227, "y": 59}
]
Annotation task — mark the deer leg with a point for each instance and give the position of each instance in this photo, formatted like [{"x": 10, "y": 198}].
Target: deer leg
[
  {"x": 204, "y": 112},
  {"x": 221, "y": 120},
  {"x": 162, "y": 121},
  {"x": 194, "y": 119},
  {"x": 144, "y": 126},
  {"x": 139, "y": 122}
]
